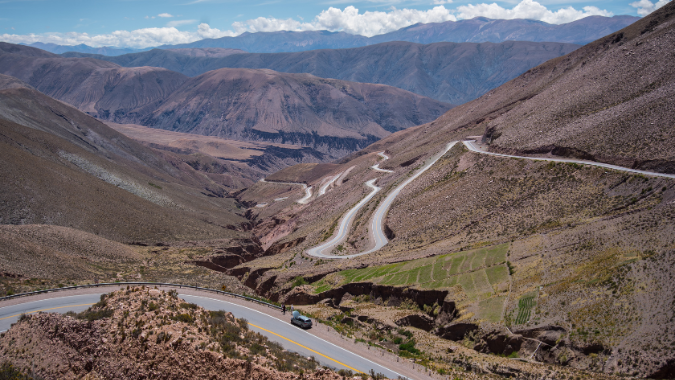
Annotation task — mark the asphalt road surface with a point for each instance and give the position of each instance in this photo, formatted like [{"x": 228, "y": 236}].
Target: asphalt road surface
[
  {"x": 324, "y": 187},
  {"x": 376, "y": 167},
  {"x": 377, "y": 224},
  {"x": 290, "y": 337},
  {"x": 381, "y": 240},
  {"x": 324, "y": 249},
  {"x": 303, "y": 200},
  {"x": 472, "y": 147}
]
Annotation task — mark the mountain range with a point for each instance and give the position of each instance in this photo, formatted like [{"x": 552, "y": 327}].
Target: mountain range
[
  {"x": 479, "y": 29},
  {"x": 333, "y": 116},
  {"x": 62, "y": 167},
  {"x": 82, "y": 48},
  {"x": 494, "y": 266},
  {"x": 448, "y": 72}
]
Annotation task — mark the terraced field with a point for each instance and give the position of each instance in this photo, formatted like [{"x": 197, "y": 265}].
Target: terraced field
[
  {"x": 525, "y": 305},
  {"x": 480, "y": 273}
]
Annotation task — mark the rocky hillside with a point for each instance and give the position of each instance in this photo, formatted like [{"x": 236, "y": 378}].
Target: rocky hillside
[
  {"x": 62, "y": 167},
  {"x": 328, "y": 115},
  {"x": 450, "y": 72},
  {"x": 149, "y": 334},
  {"x": 608, "y": 101}
]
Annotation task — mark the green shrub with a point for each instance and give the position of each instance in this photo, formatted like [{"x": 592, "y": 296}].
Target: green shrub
[
  {"x": 404, "y": 332},
  {"x": 243, "y": 323},
  {"x": 409, "y": 347},
  {"x": 93, "y": 315},
  {"x": 184, "y": 317},
  {"x": 299, "y": 281},
  {"x": 9, "y": 372}
]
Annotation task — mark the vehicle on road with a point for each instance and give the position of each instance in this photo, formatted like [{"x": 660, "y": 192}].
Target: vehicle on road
[{"x": 301, "y": 320}]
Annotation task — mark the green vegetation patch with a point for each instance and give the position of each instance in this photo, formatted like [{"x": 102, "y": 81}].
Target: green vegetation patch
[
  {"x": 525, "y": 305},
  {"x": 476, "y": 271},
  {"x": 497, "y": 274}
]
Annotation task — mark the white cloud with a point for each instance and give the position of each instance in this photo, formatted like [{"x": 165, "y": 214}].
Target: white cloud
[
  {"x": 180, "y": 22},
  {"x": 349, "y": 20},
  {"x": 441, "y": 2},
  {"x": 165, "y": 15},
  {"x": 645, "y": 7},
  {"x": 529, "y": 9},
  {"x": 140, "y": 38}
]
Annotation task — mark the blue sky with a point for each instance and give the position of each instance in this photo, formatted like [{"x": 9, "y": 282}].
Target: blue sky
[{"x": 145, "y": 23}]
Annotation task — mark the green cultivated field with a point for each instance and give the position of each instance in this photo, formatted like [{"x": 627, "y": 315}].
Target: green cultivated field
[
  {"x": 476, "y": 271},
  {"x": 525, "y": 305}
]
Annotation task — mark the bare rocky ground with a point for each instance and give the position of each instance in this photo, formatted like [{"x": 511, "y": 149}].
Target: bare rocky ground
[
  {"x": 37, "y": 257},
  {"x": 142, "y": 333}
]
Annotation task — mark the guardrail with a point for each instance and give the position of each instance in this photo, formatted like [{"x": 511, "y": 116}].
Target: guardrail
[{"x": 180, "y": 286}]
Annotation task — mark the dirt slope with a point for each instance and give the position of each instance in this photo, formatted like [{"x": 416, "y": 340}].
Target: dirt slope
[
  {"x": 608, "y": 101},
  {"x": 62, "y": 167},
  {"x": 99, "y": 88}
]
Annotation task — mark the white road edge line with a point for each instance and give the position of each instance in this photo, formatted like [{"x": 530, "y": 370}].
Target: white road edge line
[{"x": 332, "y": 344}]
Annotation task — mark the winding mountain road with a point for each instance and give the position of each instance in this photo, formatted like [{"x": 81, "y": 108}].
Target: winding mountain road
[
  {"x": 303, "y": 200},
  {"x": 324, "y": 187},
  {"x": 376, "y": 227},
  {"x": 345, "y": 224},
  {"x": 276, "y": 327},
  {"x": 376, "y": 167},
  {"x": 377, "y": 224},
  {"x": 471, "y": 145}
]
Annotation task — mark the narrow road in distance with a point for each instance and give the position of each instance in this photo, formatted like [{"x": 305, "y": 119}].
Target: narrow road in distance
[
  {"x": 376, "y": 230},
  {"x": 303, "y": 200},
  {"x": 377, "y": 225},
  {"x": 471, "y": 145},
  {"x": 343, "y": 228}
]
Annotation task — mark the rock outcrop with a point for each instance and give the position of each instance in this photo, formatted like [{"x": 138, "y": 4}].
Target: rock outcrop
[{"x": 147, "y": 334}]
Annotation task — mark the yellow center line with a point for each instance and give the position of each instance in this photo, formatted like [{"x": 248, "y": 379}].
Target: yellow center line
[
  {"x": 53, "y": 308},
  {"x": 306, "y": 348}
]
